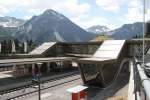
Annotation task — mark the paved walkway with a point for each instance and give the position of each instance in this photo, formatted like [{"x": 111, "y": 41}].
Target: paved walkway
[
  {"x": 117, "y": 91},
  {"x": 56, "y": 93}
]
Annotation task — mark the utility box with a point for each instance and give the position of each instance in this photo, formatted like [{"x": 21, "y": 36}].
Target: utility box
[{"x": 78, "y": 92}]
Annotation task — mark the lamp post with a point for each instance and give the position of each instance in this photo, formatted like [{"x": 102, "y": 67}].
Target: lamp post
[{"x": 39, "y": 81}]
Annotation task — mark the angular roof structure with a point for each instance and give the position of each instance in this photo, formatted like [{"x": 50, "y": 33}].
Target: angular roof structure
[
  {"x": 108, "y": 51},
  {"x": 42, "y": 48}
]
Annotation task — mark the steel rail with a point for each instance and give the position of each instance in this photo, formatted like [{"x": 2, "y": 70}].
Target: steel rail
[
  {"x": 33, "y": 84},
  {"x": 25, "y": 94}
]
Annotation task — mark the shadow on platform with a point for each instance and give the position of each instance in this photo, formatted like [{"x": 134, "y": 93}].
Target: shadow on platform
[{"x": 116, "y": 91}]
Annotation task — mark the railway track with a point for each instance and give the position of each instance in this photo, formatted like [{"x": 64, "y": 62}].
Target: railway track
[
  {"x": 36, "y": 91},
  {"x": 30, "y": 84}
]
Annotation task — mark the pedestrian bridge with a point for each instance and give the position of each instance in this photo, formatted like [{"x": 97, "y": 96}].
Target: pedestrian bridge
[{"x": 100, "y": 63}]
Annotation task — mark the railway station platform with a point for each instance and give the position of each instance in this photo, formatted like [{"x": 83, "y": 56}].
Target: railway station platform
[
  {"x": 8, "y": 82},
  {"x": 74, "y": 53},
  {"x": 117, "y": 91}
]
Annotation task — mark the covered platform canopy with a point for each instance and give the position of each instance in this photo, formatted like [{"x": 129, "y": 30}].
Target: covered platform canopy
[
  {"x": 100, "y": 69},
  {"x": 24, "y": 66},
  {"x": 34, "y": 60},
  {"x": 42, "y": 48},
  {"x": 109, "y": 51}
]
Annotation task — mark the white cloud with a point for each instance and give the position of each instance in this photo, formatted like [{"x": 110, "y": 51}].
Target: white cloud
[
  {"x": 77, "y": 12},
  {"x": 111, "y": 5},
  {"x": 69, "y": 7},
  {"x": 135, "y": 13},
  {"x": 86, "y": 22},
  {"x": 4, "y": 10},
  {"x": 74, "y": 9}
]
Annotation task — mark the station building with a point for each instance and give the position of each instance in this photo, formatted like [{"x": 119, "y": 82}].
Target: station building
[{"x": 99, "y": 62}]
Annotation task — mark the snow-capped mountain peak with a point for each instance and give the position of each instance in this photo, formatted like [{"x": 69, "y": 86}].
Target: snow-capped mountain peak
[
  {"x": 50, "y": 12},
  {"x": 10, "y": 22},
  {"x": 98, "y": 29}
]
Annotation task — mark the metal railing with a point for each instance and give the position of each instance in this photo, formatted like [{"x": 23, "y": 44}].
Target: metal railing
[{"x": 141, "y": 81}]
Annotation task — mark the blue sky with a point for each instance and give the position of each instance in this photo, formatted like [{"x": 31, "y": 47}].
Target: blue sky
[{"x": 85, "y": 13}]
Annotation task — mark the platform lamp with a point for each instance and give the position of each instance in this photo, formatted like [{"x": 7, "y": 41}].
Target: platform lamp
[{"x": 39, "y": 81}]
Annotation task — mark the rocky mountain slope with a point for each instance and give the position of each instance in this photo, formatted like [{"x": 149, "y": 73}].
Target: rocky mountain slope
[
  {"x": 128, "y": 31},
  {"x": 52, "y": 26}
]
